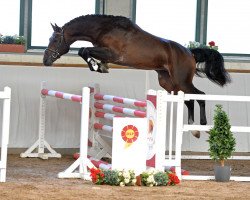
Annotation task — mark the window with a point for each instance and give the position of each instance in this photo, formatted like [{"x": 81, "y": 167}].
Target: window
[
  {"x": 174, "y": 20},
  {"x": 228, "y": 25},
  {"x": 59, "y": 12},
  {"x": 9, "y": 22}
]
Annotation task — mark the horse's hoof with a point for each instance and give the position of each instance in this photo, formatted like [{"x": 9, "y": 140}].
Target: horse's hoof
[
  {"x": 104, "y": 65},
  {"x": 196, "y": 134},
  {"x": 102, "y": 69},
  {"x": 190, "y": 121},
  {"x": 203, "y": 122}
]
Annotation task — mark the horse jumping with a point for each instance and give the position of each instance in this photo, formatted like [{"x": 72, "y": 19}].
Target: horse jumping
[{"x": 118, "y": 40}]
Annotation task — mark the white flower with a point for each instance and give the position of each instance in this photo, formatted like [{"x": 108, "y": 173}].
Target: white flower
[
  {"x": 134, "y": 181},
  {"x": 151, "y": 185},
  {"x": 126, "y": 175},
  {"x": 193, "y": 44},
  {"x": 151, "y": 171},
  {"x": 126, "y": 180},
  {"x": 122, "y": 184},
  {"x": 150, "y": 179}
]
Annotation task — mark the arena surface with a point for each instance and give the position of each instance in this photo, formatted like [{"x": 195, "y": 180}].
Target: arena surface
[{"x": 33, "y": 178}]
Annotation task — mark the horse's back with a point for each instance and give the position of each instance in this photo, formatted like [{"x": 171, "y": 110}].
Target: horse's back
[{"x": 138, "y": 48}]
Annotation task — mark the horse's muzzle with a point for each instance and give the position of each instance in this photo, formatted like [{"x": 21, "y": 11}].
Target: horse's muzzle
[{"x": 47, "y": 61}]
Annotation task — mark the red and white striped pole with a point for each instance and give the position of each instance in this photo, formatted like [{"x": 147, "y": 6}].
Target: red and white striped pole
[
  {"x": 62, "y": 95},
  {"x": 127, "y": 111},
  {"x": 122, "y": 100}
]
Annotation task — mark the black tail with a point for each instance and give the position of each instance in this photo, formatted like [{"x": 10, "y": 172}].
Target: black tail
[{"x": 214, "y": 65}]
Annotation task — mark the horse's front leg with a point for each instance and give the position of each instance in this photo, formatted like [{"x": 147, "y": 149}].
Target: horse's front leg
[
  {"x": 105, "y": 55},
  {"x": 93, "y": 64}
]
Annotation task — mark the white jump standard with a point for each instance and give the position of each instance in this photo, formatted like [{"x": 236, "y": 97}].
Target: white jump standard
[
  {"x": 41, "y": 144},
  {"x": 82, "y": 162},
  {"x": 6, "y": 96}
]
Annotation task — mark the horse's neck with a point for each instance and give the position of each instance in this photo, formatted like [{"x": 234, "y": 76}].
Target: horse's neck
[{"x": 85, "y": 31}]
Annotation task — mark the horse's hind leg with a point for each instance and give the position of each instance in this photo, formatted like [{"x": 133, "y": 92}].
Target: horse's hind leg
[
  {"x": 166, "y": 82},
  {"x": 190, "y": 106},
  {"x": 202, "y": 104},
  {"x": 105, "y": 55}
]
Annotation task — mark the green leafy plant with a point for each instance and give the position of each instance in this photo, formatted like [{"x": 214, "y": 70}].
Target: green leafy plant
[
  {"x": 221, "y": 140},
  {"x": 8, "y": 40},
  {"x": 161, "y": 178},
  {"x": 20, "y": 40},
  {"x": 111, "y": 177}
]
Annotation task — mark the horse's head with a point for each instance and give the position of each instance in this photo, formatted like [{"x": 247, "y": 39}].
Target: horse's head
[{"x": 57, "y": 46}]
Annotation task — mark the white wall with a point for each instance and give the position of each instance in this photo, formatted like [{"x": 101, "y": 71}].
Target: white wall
[{"x": 63, "y": 117}]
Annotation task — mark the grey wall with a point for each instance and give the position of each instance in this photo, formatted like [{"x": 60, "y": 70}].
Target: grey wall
[
  {"x": 63, "y": 117},
  {"x": 119, "y": 7}
]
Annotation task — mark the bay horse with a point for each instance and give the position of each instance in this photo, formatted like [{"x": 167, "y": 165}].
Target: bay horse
[{"x": 118, "y": 40}]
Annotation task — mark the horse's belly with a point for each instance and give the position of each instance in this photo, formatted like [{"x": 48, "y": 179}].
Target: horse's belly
[{"x": 139, "y": 65}]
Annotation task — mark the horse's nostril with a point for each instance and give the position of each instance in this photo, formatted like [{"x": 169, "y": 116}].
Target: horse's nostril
[{"x": 46, "y": 62}]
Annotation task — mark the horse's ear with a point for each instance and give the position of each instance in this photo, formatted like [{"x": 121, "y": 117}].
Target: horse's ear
[{"x": 56, "y": 28}]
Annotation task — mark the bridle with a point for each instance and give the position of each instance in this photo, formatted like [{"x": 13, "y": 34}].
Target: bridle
[{"x": 55, "y": 53}]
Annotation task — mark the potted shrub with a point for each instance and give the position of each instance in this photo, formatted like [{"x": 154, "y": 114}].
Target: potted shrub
[
  {"x": 221, "y": 144},
  {"x": 14, "y": 44}
]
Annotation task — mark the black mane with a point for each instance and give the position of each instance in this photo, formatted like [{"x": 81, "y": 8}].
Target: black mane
[{"x": 120, "y": 21}]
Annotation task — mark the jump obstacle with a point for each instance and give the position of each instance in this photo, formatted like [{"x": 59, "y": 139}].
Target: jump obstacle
[
  {"x": 162, "y": 103},
  {"x": 6, "y": 96},
  {"x": 41, "y": 144},
  {"x": 181, "y": 127},
  {"x": 101, "y": 149}
]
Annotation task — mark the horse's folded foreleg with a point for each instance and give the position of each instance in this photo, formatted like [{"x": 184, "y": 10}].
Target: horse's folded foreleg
[
  {"x": 100, "y": 53},
  {"x": 93, "y": 64}
]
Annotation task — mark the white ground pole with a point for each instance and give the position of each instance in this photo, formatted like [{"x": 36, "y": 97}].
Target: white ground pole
[
  {"x": 6, "y": 95},
  {"x": 41, "y": 144},
  {"x": 82, "y": 162}
]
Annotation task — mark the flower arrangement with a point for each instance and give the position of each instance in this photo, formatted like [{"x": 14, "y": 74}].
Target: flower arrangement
[
  {"x": 194, "y": 44},
  {"x": 15, "y": 39},
  {"x": 113, "y": 177},
  {"x": 127, "y": 178},
  {"x": 97, "y": 176},
  {"x": 157, "y": 178}
]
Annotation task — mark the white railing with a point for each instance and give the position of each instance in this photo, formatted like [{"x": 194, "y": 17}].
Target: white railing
[
  {"x": 181, "y": 128},
  {"x": 6, "y": 96}
]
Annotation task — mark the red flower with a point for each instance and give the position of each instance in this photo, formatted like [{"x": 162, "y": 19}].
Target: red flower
[
  {"x": 211, "y": 44},
  {"x": 97, "y": 176},
  {"x": 173, "y": 179}
]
